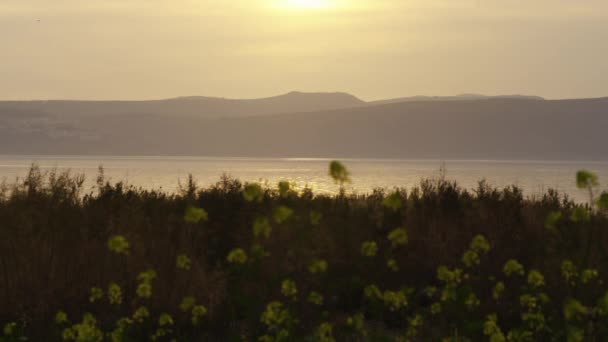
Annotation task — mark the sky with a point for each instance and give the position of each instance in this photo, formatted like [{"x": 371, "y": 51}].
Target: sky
[{"x": 374, "y": 49}]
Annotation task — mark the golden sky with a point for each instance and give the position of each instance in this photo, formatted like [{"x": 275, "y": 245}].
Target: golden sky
[{"x": 143, "y": 49}]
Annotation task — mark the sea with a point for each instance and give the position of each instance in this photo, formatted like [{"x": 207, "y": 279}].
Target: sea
[{"x": 164, "y": 173}]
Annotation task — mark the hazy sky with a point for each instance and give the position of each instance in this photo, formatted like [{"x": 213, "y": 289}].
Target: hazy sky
[{"x": 141, "y": 49}]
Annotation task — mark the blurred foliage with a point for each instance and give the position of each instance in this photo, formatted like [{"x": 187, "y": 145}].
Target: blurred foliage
[{"x": 245, "y": 262}]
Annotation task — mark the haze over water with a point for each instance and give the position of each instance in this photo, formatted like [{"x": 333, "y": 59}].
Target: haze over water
[{"x": 534, "y": 177}]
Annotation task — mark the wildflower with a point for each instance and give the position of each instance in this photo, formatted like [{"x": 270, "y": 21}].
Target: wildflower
[
  {"x": 9, "y": 328},
  {"x": 602, "y": 305},
  {"x": 253, "y": 192},
  {"x": 492, "y": 330},
  {"x": 513, "y": 267},
  {"x": 118, "y": 244},
  {"x": 395, "y": 300},
  {"x": 535, "y": 279},
  {"x": 317, "y": 266},
  {"x": 114, "y": 294},
  {"x": 573, "y": 309},
  {"x": 552, "y": 219},
  {"x": 198, "y": 312},
  {"x": 165, "y": 319},
  {"x": 569, "y": 271},
  {"x": 602, "y": 201},
  {"x": 183, "y": 262},
  {"x": 579, "y": 214},
  {"x": 86, "y": 330},
  {"x": 498, "y": 289},
  {"x": 195, "y": 215},
  {"x": 392, "y": 201},
  {"x": 261, "y": 227},
  {"x": 357, "y": 323},
  {"x": 372, "y": 291},
  {"x": 144, "y": 290},
  {"x": 141, "y": 314},
  {"x": 187, "y": 303},
  {"x": 315, "y": 298},
  {"x": 96, "y": 294},
  {"x": 470, "y": 258},
  {"x": 284, "y": 188},
  {"x": 68, "y": 334},
  {"x": 315, "y": 218},
  {"x": 528, "y": 301},
  {"x": 435, "y": 308},
  {"x": 147, "y": 276},
  {"x": 586, "y": 179},
  {"x": 282, "y": 214},
  {"x": 324, "y": 333},
  {"x": 472, "y": 301},
  {"x": 288, "y": 288},
  {"x": 61, "y": 317},
  {"x": 413, "y": 324},
  {"x": 588, "y": 275},
  {"x": 274, "y": 315},
  {"x": 480, "y": 245},
  {"x": 449, "y": 277},
  {"x": 369, "y": 249},
  {"x": 258, "y": 251},
  {"x": 398, "y": 237},
  {"x": 237, "y": 256},
  {"x": 339, "y": 173},
  {"x": 117, "y": 335},
  {"x": 392, "y": 265}
]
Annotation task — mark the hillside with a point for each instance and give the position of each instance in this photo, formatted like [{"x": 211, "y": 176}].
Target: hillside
[
  {"x": 193, "y": 106},
  {"x": 494, "y": 128}
]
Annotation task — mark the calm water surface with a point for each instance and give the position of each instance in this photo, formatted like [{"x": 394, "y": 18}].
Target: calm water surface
[{"x": 165, "y": 172}]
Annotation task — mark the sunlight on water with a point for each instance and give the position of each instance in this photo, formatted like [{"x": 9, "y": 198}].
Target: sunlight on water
[{"x": 534, "y": 177}]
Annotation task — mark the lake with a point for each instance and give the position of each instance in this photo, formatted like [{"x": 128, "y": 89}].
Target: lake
[{"x": 534, "y": 177}]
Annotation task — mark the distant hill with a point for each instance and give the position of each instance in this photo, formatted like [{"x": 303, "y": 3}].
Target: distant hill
[
  {"x": 462, "y": 97},
  {"x": 488, "y": 128},
  {"x": 195, "y": 106}
]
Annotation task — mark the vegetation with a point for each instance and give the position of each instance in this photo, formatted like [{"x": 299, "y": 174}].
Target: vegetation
[{"x": 242, "y": 262}]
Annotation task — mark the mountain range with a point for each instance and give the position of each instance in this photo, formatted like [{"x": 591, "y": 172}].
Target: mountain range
[{"x": 297, "y": 124}]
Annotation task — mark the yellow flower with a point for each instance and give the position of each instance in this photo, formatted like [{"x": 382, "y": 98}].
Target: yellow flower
[
  {"x": 183, "y": 262},
  {"x": 369, "y": 249},
  {"x": 237, "y": 256},
  {"x": 118, "y": 244},
  {"x": 114, "y": 294},
  {"x": 288, "y": 288}
]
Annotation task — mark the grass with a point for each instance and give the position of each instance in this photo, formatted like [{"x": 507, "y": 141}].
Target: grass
[{"x": 239, "y": 261}]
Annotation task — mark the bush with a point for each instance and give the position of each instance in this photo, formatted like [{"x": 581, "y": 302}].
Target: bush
[{"x": 233, "y": 261}]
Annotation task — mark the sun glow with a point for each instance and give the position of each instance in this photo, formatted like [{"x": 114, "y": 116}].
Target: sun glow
[{"x": 307, "y": 4}]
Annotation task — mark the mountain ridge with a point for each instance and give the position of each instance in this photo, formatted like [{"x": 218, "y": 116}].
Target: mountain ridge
[{"x": 497, "y": 128}]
